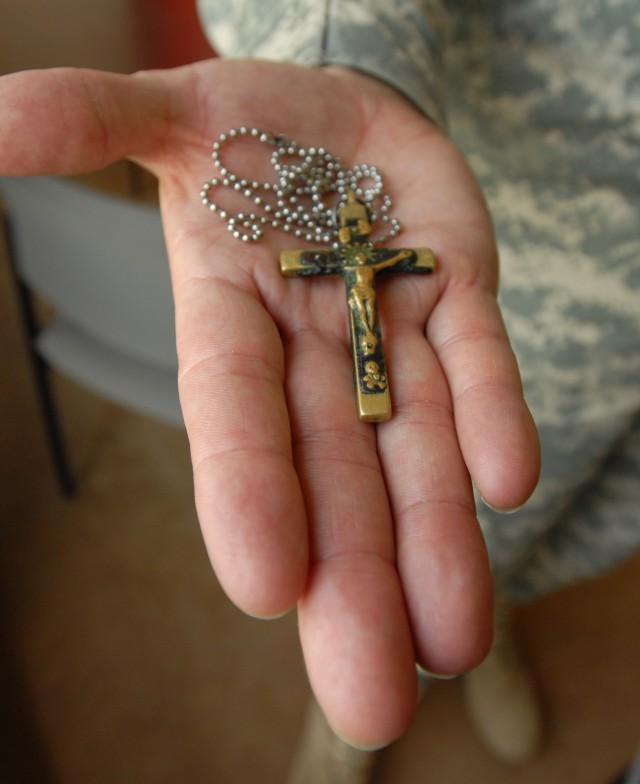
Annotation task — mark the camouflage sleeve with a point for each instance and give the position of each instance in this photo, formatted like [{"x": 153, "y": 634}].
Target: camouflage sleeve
[{"x": 398, "y": 42}]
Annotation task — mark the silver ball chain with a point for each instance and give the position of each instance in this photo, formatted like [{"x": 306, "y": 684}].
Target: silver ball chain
[{"x": 297, "y": 201}]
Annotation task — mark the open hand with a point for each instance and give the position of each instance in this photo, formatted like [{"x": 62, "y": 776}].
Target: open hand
[{"x": 370, "y": 529}]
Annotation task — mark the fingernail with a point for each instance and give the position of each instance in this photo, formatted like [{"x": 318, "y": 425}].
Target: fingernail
[
  {"x": 360, "y": 746},
  {"x": 355, "y": 745},
  {"x": 507, "y": 510},
  {"x": 265, "y": 617},
  {"x": 438, "y": 676}
]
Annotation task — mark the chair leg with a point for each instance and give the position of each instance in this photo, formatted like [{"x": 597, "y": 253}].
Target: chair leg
[
  {"x": 51, "y": 419},
  {"x": 41, "y": 375}
]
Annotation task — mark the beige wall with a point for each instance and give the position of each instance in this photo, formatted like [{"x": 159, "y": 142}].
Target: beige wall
[{"x": 88, "y": 33}]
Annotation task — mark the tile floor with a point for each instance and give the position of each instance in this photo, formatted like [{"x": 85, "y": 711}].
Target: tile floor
[{"x": 125, "y": 662}]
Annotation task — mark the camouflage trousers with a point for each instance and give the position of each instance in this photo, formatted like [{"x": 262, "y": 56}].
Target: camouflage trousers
[{"x": 558, "y": 154}]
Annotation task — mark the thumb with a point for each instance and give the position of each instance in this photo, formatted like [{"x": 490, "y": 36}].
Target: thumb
[{"x": 70, "y": 121}]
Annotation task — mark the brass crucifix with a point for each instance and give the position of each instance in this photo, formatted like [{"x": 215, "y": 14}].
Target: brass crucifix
[{"x": 359, "y": 262}]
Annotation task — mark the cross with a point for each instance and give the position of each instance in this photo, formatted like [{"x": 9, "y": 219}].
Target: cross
[{"x": 358, "y": 261}]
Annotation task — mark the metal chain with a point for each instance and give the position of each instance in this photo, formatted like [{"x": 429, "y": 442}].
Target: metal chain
[{"x": 297, "y": 201}]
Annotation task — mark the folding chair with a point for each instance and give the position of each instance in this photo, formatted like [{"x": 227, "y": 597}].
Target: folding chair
[{"x": 100, "y": 262}]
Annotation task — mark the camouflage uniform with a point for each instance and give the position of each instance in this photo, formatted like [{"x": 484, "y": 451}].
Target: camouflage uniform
[{"x": 544, "y": 98}]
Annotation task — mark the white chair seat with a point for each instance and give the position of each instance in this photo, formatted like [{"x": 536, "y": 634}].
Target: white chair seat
[
  {"x": 101, "y": 263},
  {"x": 137, "y": 385}
]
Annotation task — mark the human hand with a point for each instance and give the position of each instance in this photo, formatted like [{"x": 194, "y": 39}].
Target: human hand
[{"x": 371, "y": 529}]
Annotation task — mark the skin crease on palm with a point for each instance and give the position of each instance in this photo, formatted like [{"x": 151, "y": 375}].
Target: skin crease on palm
[{"x": 371, "y": 530}]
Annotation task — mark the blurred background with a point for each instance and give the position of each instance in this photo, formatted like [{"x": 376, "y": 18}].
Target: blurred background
[{"x": 121, "y": 660}]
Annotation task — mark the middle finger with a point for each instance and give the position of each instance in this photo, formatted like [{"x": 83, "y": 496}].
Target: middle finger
[{"x": 353, "y": 625}]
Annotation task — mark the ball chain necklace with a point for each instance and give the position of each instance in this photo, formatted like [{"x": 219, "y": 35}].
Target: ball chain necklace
[{"x": 297, "y": 202}]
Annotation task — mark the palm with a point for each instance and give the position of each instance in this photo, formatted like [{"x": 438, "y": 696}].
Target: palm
[{"x": 285, "y": 474}]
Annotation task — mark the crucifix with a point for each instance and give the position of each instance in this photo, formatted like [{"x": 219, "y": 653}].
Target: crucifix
[
  {"x": 359, "y": 262},
  {"x": 296, "y": 202}
]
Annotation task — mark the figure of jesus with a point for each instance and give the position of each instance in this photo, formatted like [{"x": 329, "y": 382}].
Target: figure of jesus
[{"x": 362, "y": 296}]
